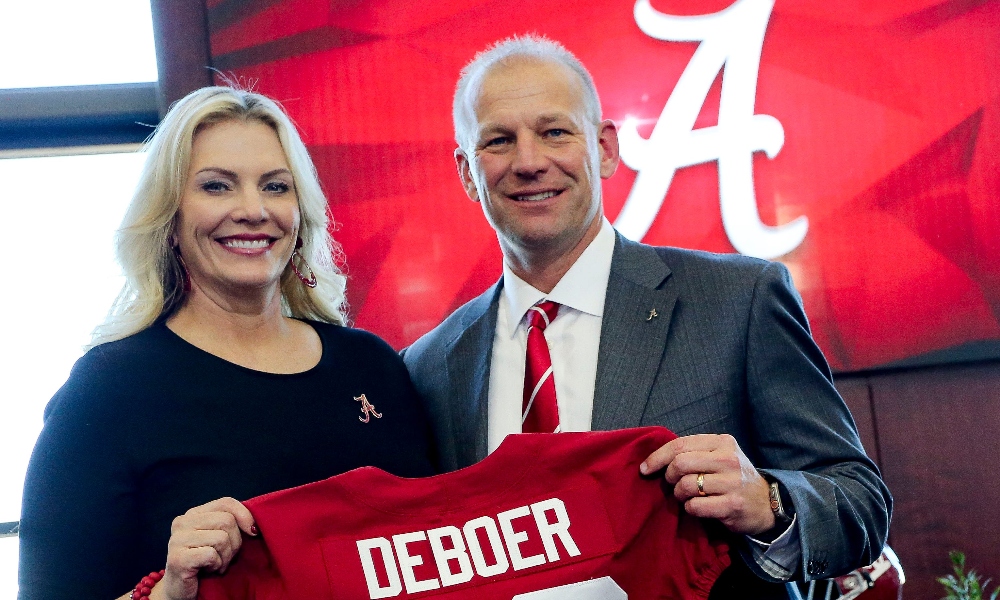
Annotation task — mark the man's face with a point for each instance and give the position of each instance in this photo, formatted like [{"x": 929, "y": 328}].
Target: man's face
[{"x": 536, "y": 160}]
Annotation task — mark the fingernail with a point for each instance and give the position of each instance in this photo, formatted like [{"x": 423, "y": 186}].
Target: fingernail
[
  {"x": 644, "y": 468},
  {"x": 253, "y": 529}
]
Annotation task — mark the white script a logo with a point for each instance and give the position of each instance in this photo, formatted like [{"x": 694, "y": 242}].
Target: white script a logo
[{"x": 730, "y": 39}]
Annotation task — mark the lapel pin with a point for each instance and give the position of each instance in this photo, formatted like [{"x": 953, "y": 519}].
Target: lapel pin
[
  {"x": 367, "y": 409},
  {"x": 652, "y": 315}
]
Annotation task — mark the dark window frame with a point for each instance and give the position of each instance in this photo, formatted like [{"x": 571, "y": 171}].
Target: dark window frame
[
  {"x": 74, "y": 116},
  {"x": 101, "y": 115}
]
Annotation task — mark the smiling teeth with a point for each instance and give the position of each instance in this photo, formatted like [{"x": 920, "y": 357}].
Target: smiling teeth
[
  {"x": 536, "y": 197},
  {"x": 247, "y": 244}
]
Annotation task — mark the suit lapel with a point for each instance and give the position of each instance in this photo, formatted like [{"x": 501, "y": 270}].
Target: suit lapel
[
  {"x": 468, "y": 363},
  {"x": 633, "y": 337}
]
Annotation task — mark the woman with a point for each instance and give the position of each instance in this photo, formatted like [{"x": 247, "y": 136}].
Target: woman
[{"x": 223, "y": 370}]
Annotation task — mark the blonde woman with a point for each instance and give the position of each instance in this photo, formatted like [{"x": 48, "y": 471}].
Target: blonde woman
[{"x": 224, "y": 369}]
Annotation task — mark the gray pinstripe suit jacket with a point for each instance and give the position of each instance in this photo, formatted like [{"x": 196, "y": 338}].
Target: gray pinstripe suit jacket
[{"x": 730, "y": 352}]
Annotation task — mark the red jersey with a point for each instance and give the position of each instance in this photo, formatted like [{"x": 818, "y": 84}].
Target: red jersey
[{"x": 545, "y": 517}]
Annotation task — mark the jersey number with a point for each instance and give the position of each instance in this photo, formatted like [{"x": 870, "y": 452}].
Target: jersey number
[{"x": 604, "y": 588}]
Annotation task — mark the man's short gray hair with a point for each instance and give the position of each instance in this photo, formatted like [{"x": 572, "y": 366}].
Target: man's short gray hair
[{"x": 504, "y": 53}]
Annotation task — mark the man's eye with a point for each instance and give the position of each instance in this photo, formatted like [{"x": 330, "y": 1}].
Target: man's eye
[
  {"x": 556, "y": 132},
  {"x": 497, "y": 141}
]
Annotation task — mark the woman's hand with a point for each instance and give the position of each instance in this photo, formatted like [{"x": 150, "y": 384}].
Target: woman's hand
[{"x": 204, "y": 538}]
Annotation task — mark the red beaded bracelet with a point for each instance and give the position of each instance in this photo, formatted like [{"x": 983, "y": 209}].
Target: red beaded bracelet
[{"x": 144, "y": 587}]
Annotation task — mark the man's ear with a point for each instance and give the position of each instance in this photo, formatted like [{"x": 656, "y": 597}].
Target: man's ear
[
  {"x": 607, "y": 146},
  {"x": 465, "y": 174}
]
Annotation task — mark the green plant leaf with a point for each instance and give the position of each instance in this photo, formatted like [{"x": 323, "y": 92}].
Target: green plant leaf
[{"x": 965, "y": 585}]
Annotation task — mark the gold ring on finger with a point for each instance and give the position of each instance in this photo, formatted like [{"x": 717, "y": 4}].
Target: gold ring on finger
[{"x": 701, "y": 484}]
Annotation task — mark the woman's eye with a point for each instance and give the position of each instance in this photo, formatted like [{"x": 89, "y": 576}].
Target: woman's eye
[
  {"x": 277, "y": 187},
  {"x": 215, "y": 186}
]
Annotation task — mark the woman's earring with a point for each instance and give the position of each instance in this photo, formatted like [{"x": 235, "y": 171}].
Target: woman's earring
[{"x": 307, "y": 280}]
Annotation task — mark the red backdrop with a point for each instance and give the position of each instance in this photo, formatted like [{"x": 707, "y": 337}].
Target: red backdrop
[{"x": 887, "y": 116}]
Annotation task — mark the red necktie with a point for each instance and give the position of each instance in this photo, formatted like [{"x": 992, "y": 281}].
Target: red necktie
[{"x": 539, "y": 411}]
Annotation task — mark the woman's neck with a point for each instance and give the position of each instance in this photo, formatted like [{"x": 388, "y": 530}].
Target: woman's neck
[
  {"x": 228, "y": 314},
  {"x": 250, "y": 333}
]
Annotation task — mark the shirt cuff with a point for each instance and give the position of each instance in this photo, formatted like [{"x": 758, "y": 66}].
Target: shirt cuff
[{"x": 780, "y": 557}]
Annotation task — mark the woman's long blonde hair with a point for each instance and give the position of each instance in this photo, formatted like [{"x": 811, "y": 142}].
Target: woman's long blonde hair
[{"x": 154, "y": 278}]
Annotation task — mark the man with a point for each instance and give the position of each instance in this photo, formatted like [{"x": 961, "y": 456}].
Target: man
[{"x": 714, "y": 347}]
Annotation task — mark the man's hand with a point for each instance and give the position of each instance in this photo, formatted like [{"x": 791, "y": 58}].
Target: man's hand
[
  {"x": 732, "y": 490},
  {"x": 204, "y": 538}
]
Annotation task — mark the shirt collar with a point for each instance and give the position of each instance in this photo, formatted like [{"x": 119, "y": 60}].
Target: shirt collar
[{"x": 583, "y": 287}]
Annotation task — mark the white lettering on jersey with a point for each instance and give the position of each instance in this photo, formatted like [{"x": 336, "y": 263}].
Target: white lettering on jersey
[
  {"x": 490, "y": 527},
  {"x": 560, "y": 527},
  {"x": 465, "y": 551},
  {"x": 408, "y": 561},
  {"x": 375, "y": 590},
  {"x": 514, "y": 539},
  {"x": 442, "y": 556},
  {"x": 732, "y": 40}
]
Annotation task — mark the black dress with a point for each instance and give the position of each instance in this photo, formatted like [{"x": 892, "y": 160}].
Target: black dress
[{"x": 150, "y": 426}]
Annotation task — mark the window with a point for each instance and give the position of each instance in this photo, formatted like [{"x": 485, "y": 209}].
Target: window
[
  {"x": 82, "y": 75},
  {"x": 71, "y": 43}
]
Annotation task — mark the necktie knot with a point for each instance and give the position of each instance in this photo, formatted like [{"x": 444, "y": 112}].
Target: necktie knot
[{"x": 541, "y": 314}]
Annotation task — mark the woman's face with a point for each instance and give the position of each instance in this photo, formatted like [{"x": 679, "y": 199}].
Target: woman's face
[{"x": 239, "y": 214}]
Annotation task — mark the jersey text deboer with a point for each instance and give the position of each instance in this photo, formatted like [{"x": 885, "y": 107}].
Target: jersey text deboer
[{"x": 545, "y": 517}]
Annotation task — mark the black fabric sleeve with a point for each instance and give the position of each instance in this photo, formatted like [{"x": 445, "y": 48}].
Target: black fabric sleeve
[
  {"x": 150, "y": 426},
  {"x": 78, "y": 516}
]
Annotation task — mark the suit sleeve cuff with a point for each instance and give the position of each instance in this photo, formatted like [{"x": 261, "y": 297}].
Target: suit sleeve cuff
[{"x": 780, "y": 557}]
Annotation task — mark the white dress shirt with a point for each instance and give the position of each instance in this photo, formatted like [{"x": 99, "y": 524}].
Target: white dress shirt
[{"x": 574, "y": 338}]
